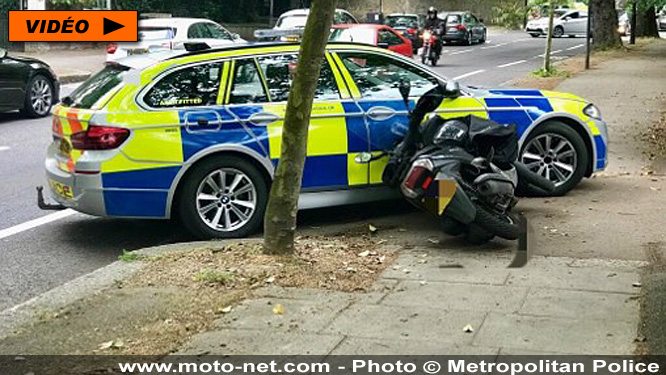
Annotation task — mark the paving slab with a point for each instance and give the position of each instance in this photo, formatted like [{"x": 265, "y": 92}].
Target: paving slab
[
  {"x": 397, "y": 322},
  {"x": 485, "y": 268},
  {"x": 581, "y": 305},
  {"x": 360, "y": 346},
  {"x": 253, "y": 342},
  {"x": 300, "y": 315},
  {"x": 568, "y": 273},
  {"x": 457, "y": 296},
  {"x": 557, "y": 335}
]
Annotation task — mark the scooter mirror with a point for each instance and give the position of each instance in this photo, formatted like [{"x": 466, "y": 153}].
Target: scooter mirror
[
  {"x": 363, "y": 158},
  {"x": 452, "y": 89}
]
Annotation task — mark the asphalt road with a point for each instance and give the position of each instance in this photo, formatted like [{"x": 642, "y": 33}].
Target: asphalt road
[{"x": 41, "y": 250}]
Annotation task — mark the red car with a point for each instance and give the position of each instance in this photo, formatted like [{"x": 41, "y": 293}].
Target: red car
[{"x": 376, "y": 35}]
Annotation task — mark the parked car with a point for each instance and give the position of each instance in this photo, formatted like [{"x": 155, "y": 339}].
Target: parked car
[
  {"x": 463, "y": 27},
  {"x": 662, "y": 19},
  {"x": 27, "y": 84},
  {"x": 197, "y": 135},
  {"x": 374, "y": 35},
  {"x": 566, "y": 22},
  {"x": 409, "y": 25},
  {"x": 171, "y": 33},
  {"x": 296, "y": 19}
]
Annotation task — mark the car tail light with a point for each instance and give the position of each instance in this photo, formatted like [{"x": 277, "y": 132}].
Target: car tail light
[
  {"x": 411, "y": 31},
  {"x": 111, "y": 48},
  {"x": 99, "y": 138},
  {"x": 461, "y": 27},
  {"x": 419, "y": 177}
]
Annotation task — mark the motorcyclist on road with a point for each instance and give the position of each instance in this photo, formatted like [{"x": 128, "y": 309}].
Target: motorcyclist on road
[{"x": 436, "y": 26}]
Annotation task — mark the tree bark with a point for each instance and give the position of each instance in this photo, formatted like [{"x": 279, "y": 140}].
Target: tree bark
[
  {"x": 646, "y": 25},
  {"x": 604, "y": 24},
  {"x": 280, "y": 219},
  {"x": 549, "y": 37}
]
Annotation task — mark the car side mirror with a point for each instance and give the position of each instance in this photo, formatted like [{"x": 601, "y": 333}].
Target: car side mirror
[
  {"x": 481, "y": 20},
  {"x": 383, "y": 45},
  {"x": 3, "y": 53},
  {"x": 452, "y": 89},
  {"x": 566, "y": 19},
  {"x": 235, "y": 36},
  {"x": 405, "y": 89}
]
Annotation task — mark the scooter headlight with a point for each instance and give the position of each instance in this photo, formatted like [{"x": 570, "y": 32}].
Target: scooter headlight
[{"x": 592, "y": 111}]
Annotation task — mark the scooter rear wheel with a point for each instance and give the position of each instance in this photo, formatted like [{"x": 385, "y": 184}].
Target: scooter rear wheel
[{"x": 505, "y": 226}]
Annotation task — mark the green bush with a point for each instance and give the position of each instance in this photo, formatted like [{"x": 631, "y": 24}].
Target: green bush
[{"x": 510, "y": 15}]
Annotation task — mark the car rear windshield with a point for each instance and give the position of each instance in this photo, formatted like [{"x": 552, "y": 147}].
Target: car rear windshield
[
  {"x": 156, "y": 33},
  {"x": 453, "y": 19},
  {"x": 402, "y": 21},
  {"x": 86, "y": 95}
]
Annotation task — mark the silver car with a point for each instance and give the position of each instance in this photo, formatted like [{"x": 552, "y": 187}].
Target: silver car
[{"x": 566, "y": 22}]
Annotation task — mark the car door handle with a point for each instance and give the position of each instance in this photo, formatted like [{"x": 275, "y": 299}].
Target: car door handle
[
  {"x": 381, "y": 113},
  {"x": 263, "y": 118}
]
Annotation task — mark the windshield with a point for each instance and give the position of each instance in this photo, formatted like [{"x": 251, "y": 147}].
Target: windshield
[
  {"x": 156, "y": 33},
  {"x": 292, "y": 21},
  {"x": 453, "y": 19},
  {"x": 354, "y": 34},
  {"x": 402, "y": 21},
  {"x": 86, "y": 95}
]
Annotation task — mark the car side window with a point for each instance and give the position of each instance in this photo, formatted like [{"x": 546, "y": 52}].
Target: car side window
[
  {"x": 389, "y": 37},
  {"x": 468, "y": 19},
  {"x": 573, "y": 15},
  {"x": 279, "y": 73},
  {"x": 247, "y": 86},
  {"x": 378, "y": 77},
  {"x": 218, "y": 32},
  {"x": 198, "y": 31},
  {"x": 473, "y": 19},
  {"x": 189, "y": 87}
]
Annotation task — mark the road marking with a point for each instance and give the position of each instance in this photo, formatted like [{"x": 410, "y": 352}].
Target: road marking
[
  {"x": 575, "y": 47},
  {"x": 16, "y": 229},
  {"x": 5, "y": 148},
  {"x": 463, "y": 51},
  {"x": 554, "y": 52},
  {"x": 469, "y": 74},
  {"x": 495, "y": 46},
  {"x": 512, "y": 63}
]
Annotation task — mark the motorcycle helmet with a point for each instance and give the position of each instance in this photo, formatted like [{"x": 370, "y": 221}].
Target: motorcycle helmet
[
  {"x": 432, "y": 12},
  {"x": 452, "y": 133}
]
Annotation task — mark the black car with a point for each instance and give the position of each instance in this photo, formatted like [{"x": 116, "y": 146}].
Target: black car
[
  {"x": 27, "y": 84},
  {"x": 464, "y": 27},
  {"x": 408, "y": 25}
]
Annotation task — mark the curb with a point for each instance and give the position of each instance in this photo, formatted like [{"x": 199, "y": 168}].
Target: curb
[{"x": 13, "y": 318}]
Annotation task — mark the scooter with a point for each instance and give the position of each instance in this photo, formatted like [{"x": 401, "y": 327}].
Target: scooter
[
  {"x": 429, "y": 53},
  {"x": 464, "y": 171}
]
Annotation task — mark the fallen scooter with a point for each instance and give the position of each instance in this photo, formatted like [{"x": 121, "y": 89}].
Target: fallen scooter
[{"x": 462, "y": 170}]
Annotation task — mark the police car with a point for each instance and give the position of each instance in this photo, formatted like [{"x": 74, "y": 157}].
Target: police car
[{"x": 196, "y": 134}]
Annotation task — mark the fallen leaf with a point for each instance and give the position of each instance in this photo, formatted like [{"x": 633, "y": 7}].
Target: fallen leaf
[
  {"x": 434, "y": 241},
  {"x": 637, "y": 285},
  {"x": 226, "y": 310},
  {"x": 113, "y": 344},
  {"x": 270, "y": 280},
  {"x": 364, "y": 254},
  {"x": 423, "y": 283},
  {"x": 278, "y": 309},
  {"x": 372, "y": 228},
  {"x": 640, "y": 339},
  {"x": 468, "y": 328}
]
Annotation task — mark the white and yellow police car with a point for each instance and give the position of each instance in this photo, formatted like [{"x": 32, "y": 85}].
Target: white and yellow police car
[{"x": 196, "y": 134}]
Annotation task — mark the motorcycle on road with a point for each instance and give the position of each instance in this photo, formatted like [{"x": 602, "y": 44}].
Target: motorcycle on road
[
  {"x": 464, "y": 170},
  {"x": 430, "y": 53}
]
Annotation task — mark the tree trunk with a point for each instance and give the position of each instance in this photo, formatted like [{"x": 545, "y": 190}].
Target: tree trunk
[
  {"x": 280, "y": 219},
  {"x": 604, "y": 24},
  {"x": 549, "y": 37},
  {"x": 646, "y": 25}
]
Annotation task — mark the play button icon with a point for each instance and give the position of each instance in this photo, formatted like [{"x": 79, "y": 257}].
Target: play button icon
[{"x": 111, "y": 26}]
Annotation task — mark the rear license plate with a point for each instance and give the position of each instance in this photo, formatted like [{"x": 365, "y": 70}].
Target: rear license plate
[
  {"x": 63, "y": 190},
  {"x": 137, "y": 51}
]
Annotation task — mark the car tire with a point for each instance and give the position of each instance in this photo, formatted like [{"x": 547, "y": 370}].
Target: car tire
[
  {"x": 558, "y": 32},
  {"x": 470, "y": 39},
  {"x": 228, "y": 218},
  {"x": 567, "y": 157},
  {"x": 485, "y": 35},
  {"x": 38, "y": 97}
]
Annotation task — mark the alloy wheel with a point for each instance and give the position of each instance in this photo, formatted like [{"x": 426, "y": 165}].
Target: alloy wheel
[
  {"x": 552, "y": 156},
  {"x": 226, "y": 199},
  {"x": 41, "y": 96}
]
